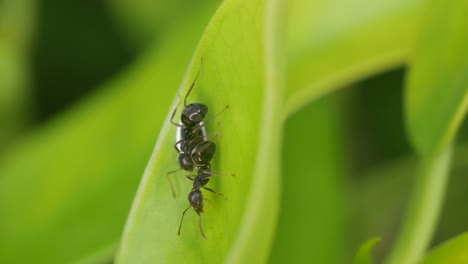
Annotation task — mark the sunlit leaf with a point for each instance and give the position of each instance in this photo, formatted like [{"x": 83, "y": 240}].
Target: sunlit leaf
[
  {"x": 239, "y": 69},
  {"x": 65, "y": 192},
  {"x": 437, "y": 87},
  {"x": 334, "y": 43},
  {"x": 454, "y": 251}
]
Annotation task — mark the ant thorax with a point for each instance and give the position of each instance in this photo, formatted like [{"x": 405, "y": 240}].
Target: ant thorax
[{"x": 188, "y": 136}]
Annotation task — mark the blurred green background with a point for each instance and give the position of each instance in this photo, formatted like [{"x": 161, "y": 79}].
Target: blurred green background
[{"x": 68, "y": 67}]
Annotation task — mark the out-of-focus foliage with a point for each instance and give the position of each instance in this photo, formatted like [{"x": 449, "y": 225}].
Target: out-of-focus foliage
[
  {"x": 315, "y": 176},
  {"x": 436, "y": 102},
  {"x": 241, "y": 232},
  {"x": 363, "y": 255},
  {"x": 16, "y": 27},
  {"x": 143, "y": 21},
  {"x": 69, "y": 186},
  {"x": 454, "y": 251},
  {"x": 437, "y": 94}
]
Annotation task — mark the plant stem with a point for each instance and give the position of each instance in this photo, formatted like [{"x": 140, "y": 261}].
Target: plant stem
[{"x": 423, "y": 210}]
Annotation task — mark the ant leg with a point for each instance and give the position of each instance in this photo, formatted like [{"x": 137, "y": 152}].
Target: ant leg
[
  {"x": 214, "y": 134},
  {"x": 200, "y": 225},
  {"x": 172, "y": 117},
  {"x": 190, "y": 177},
  {"x": 177, "y": 143},
  {"x": 168, "y": 175},
  {"x": 199, "y": 126},
  {"x": 182, "y": 219},
  {"x": 193, "y": 83},
  {"x": 215, "y": 192}
]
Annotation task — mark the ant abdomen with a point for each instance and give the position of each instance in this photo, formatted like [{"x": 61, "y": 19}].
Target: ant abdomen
[
  {"x": 184, "y": 162},
  {"x": 203, "y": 153}
]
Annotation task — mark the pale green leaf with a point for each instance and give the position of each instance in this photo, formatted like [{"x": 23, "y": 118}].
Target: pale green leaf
[
  {"x": 454, "y": 251},
  {"x": 423, "y": 209},
  {"x": 437, "y": 87},
  {"x": 239, "y": 69},
  {"x": 436, "y": 101},
  {"x": 334, "y": 43},
  {"x": 66, "y": 190}
]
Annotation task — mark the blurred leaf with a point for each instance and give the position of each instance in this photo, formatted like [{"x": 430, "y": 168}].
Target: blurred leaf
[
  {"x": 454, "y": 251},
  {"x": 423, "y": 209},
  {"x": 311, "y": 216},
  {"x": 16, "y": 26},
  {"x": 239, "y": 51},
  {"x": 333, "y": 43},
  {"x": 330, "y": 44},
  {"x": 436, "y": 101},
  {"x": 66, "y": 190},
  {"x": 437, "y": 87},
  {"x": 363, "y": 255},
  {"x": 376, "y": 211},
  {"x": 143, "y": 20}
]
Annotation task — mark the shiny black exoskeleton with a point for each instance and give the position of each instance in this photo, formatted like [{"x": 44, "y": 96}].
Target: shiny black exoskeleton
[
  {"x": 191, "y": 133},
  {"x": 195, "y": 196},
  {"x": 192, "y": 144}
]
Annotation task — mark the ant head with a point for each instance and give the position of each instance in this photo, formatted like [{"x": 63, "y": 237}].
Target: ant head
[
  {"x": 196, "y": 200},
  {"x": 203, "y": 153},
  {"x": 184, "y": 162},
  {"x": 193, "y": 114}
]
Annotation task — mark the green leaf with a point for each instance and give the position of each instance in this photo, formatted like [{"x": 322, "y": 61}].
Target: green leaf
[
  {"x": 363, "y": 255},
  {"x": 375, "y": 208},
  {"x": 437, "y": 87},
  {"x": 334, "y": 43},
  {"x": 312, "y": 210},
  {"x": 436, "y": 101},
  {"x": 16, "y": 26},
  {"x": 143, "y": 20},
  {"x": 66, "y": 190},
  {"x": 423, "y": 210},
  {"x": 454, "y": 251},
  {"x": 239, "y": 69}
]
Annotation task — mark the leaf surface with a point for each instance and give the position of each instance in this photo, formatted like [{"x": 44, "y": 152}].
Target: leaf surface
[
  {"x": 69, "y": 185},
  {"x": 234, "y": 52},
  {"x": 454, "y": 251},
  {"x": 363, "y": 255},
  {"x": 437, "y": 86}
]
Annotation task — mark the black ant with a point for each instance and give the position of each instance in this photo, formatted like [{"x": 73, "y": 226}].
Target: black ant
[
  {"x": 195, "y": 196},
  {"x": 192, "y": 144}
]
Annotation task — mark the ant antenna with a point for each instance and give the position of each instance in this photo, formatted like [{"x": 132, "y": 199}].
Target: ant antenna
[
  {"x": 211, "y": 118},
  {"x": 173, "y": 114},
  {"x": 210, "y": 173},
  {"x": 200, "y": 225},
  {"x": 182, "y": 219},
  {"x": 193, "y": 83}
]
